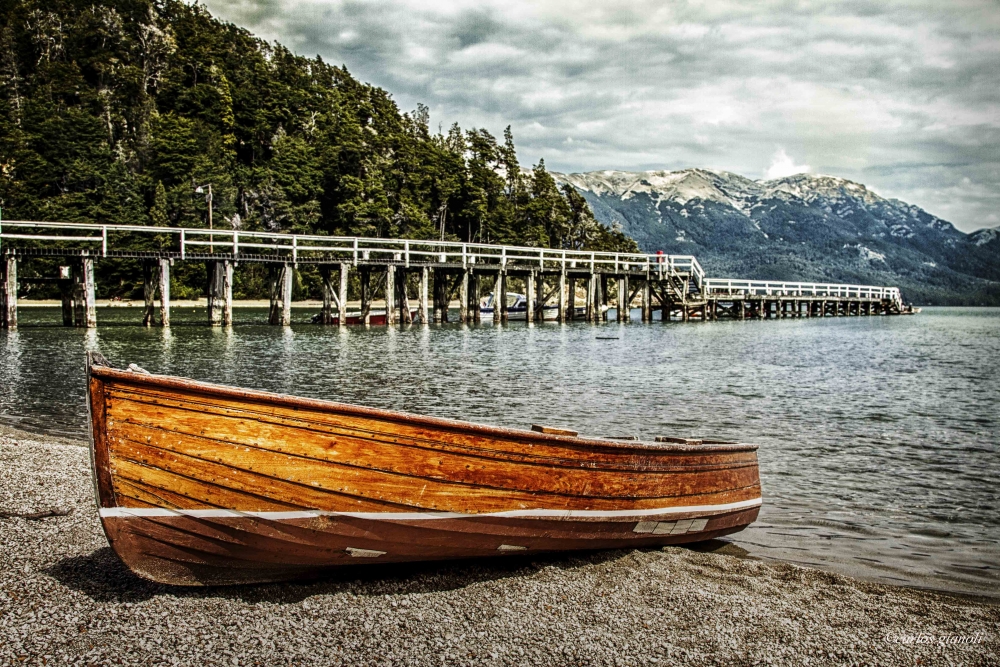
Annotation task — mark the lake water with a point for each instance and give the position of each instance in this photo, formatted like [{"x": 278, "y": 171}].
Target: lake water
[{"x": 879, "y": 440}]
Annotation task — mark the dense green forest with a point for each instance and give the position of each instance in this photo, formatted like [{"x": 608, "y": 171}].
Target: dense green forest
[{"x": 114, "y": 111}]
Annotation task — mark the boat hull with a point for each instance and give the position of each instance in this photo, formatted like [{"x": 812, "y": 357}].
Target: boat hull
[{"x": 203, "y": 484}]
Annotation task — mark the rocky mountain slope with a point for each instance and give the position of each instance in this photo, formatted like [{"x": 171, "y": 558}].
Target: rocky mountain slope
[{"x": 802, "y": 227}]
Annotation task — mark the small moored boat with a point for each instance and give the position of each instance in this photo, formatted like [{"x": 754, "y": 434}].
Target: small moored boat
[{"x": 199, "y": 484}]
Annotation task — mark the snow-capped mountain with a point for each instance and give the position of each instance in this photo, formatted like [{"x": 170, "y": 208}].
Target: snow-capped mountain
[{"x": 802, "y": 227}]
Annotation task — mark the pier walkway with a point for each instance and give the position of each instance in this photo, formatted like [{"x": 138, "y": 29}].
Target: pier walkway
[{"x": 411, "y": 280}]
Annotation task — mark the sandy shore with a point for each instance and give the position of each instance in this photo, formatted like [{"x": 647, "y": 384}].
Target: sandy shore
[{"x": 66, "y": 599}]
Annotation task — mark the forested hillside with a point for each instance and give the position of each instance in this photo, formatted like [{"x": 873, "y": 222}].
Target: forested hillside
[{"x": 116, "y": 110}]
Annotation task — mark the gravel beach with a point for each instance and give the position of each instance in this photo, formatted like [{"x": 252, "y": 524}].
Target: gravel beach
[{"x": 66, "y": 599}]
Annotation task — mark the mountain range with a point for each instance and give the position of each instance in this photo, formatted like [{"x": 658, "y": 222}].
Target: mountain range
[{"x": 799, "y": 228}]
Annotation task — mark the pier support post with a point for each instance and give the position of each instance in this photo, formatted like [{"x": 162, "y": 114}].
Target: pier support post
[
  {"x": 390, "y": 295},
  {"x": 281, "y": 294},
  {"x": 463, "y": 297},
  {"x": 66, "y": 294},
  {"x": 220, "y": 293},
  {"x": 8, "y": 292},
  {"x": 571, "y": 300},
  {"x": 647, "y": 302},
  {"x": 529, "y": 295},
  {"x": 84, "y": 295},
  {"x": 540, "y": 297},
  {"x": 422, "y": 302},
  {"x": 329, "y": 296},
  {"x": 602, "y": 299},
  {"x": 366, "y": 295},
  {"x": 474, "y": 297},
  {"x": 342, "y": 295},
  {"x": 562, "y": 296},
  {"x": 440, "y": 296},
  {"x": 227, "y": 293},
  {"x": 405, "y": 315},
  {"x": 149, "y": 281},
  {"x": 589, "y": 315},
  {"x": 164, "y": 275}
]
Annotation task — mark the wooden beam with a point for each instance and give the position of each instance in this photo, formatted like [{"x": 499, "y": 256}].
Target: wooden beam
[{"x": 405, "y": 315}]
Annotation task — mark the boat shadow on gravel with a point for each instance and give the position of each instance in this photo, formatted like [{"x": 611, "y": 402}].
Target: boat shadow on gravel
[{"x": 101, "y": 576}]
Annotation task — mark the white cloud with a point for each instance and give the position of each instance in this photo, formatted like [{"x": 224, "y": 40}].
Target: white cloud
[
  {"x": 898, "y": 95},
  {"x": 783, "y": 165}
]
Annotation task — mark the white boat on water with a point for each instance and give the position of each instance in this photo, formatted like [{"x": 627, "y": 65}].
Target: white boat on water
[{"x": 517, "y": 308}]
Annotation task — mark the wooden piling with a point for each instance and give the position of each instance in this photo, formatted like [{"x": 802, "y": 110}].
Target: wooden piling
[
  {"x": 405, "y": 315},
  {"x": 390, "y": 295},
  {"x": 422, "y": 306},
  {"x": 440, "y": 296},
  {"x": 571, "y": 300},
  {"x": 342, "y": 294},
  {"x": 474, "y": 295},
  {"x": 329, "y": 295},
  {"x": 8, "y": 292},
  {"x": 227, "y": 293},
  {"x": 540, "y": 297},
  {"x": 589, "y": 303},
  {"x": 149, "y": 268},
  {"x": 84, "y": 295},
  {"x": 647, "y": 301},
  {"x": 605, "y": 298},
  {"x": 164, "y": 275},
  {"x": 215, "y": 290},
  {"x": 366, "y": 295},
  {"x": 529, "y": 294},
  {"x": 463, "y": 296},
  {"x": 561, "y": 317},
  {"x": 66, "y": 294},
  {"x": 280, "y": 276}
]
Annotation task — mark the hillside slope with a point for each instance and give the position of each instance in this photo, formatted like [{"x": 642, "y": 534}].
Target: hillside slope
[{"x": 802, "y": 227}]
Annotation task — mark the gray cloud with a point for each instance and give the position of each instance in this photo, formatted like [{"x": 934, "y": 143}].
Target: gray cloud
[{"x": 904, "y": 97}]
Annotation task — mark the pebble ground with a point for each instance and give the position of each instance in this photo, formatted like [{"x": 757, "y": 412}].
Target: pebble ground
[{"x": 65, "y": 599}]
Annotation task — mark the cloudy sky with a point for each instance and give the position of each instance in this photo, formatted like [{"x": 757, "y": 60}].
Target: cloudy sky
[{"x": 901, "y": 96}]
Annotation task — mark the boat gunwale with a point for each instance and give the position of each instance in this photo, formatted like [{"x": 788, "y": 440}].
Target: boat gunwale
[{"x": 324, "y": 405}]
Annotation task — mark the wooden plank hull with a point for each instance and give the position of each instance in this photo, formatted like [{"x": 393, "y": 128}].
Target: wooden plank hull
[{"x": 204, "y": 484}]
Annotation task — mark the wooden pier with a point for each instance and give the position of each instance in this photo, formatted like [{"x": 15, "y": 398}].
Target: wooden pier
[{"x": 406, "y": 275}]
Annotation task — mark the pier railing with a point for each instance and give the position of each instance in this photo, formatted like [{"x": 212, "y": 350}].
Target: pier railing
[
  {"x": 237, "y": 245},
  {"x": 196, "y": 243},
  {"x": 728, "y": 286}
]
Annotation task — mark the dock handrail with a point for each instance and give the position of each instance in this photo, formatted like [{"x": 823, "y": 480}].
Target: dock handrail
[
  {"x": 205, "y": 244},
  {"x": 303, "y": 247},
  {"x": 774, "y": 288}
]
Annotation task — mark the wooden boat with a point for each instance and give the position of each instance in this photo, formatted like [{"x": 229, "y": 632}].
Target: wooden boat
[{"x": 204, "y": 484}]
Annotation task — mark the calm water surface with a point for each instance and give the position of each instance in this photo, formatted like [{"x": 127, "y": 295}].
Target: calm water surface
[{"x": 878, "y": 436}]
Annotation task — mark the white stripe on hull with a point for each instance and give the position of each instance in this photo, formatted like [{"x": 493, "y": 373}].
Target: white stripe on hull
[{"x": 423, "y": 516}]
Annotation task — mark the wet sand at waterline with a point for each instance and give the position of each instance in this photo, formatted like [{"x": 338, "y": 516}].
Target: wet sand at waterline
[{"x": 66, "y": 599}]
